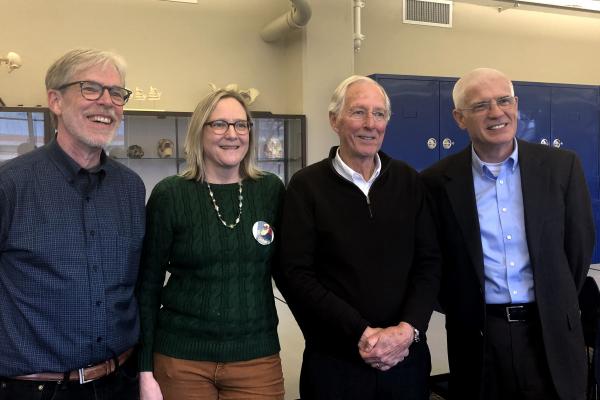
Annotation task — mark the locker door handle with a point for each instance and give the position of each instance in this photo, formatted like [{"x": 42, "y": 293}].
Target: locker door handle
[
  {"x": 545, "y": 142},
  {"x": 557, "y": 143},
  {"x": 447, "y": 143},
  {"x": 431, "y": 143}
]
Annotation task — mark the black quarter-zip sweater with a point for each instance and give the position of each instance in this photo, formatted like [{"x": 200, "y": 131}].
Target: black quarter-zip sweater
[{"x": 349, "y": 261}]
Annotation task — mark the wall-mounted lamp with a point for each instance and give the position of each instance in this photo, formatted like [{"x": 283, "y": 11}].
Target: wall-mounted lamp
[{"x": 12, "y": 60}]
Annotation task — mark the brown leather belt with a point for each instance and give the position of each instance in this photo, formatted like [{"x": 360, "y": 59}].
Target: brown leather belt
[{"x": 83, "y": 375}]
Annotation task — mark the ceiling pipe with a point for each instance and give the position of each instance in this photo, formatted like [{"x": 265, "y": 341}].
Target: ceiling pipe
[
  {"x": 358, "y": 36},
  {"x": 293, "y": 20}
]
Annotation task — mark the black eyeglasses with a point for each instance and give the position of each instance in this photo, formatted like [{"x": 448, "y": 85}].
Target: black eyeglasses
[
  {"x": 91, "y": 90},
  {"x": 220, "y": 126},
  {"x": 483, "y": 106}
]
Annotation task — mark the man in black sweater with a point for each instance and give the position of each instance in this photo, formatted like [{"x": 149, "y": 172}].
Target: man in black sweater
[{"x": 360, "y": 260}]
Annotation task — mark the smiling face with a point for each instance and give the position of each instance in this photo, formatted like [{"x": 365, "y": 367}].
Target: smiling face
[
  {"x": 82, "y": 122},
  {"x": 224, "y": 153},
  {"x": 360, "y": 138},
  {"x": 492, "y": 131}
]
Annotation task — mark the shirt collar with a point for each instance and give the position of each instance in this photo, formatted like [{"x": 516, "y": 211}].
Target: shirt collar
[
  {"x": 68, "y": 166},
  {"x": 348, "y": 173},
  {"x": 512, "y": 161}
]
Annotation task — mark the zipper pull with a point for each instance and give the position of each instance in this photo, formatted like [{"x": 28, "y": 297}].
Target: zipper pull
[{"x": 369, "y": 207}]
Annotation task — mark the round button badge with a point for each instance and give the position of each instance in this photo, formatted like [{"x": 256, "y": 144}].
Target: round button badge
[{"x": 263, "y": 233}]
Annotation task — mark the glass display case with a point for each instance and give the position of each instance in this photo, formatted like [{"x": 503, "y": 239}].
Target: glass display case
[
  {"x": 152, "y": 142},
  {"x": 22, "y": 129},
  {"x": 280, "y": 143}
]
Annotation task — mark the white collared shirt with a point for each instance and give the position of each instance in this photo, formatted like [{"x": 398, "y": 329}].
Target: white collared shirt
[{"x": 351, "y": 175}]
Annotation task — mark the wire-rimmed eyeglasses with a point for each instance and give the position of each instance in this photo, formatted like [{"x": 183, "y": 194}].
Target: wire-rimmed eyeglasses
[
  {"x": 484, "y": 106},
  {"x": 91, "y": 90},
  {"x": 220, "y": 126},
  {"x": 361, "y": 114}
]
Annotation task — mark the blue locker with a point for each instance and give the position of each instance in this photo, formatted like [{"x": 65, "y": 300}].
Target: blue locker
[
  {"x": 414, "y": 120},
  {"x": 452, "y": 138},
  {"x": 421, "y": 129},
  {"x": 534, "y": 104}
]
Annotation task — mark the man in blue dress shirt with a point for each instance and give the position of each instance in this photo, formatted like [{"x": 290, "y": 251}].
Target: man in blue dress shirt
[
  {"x": 71, "y": 229},
  {"x": 516, "y": 230}
]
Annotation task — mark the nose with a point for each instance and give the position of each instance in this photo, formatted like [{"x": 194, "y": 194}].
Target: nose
[
  {"x": 230, "y": 133},
  {"x": 105, "y": 97},
  {"x": 369, "y": 120},
  {"x": 495, "y": 109}
]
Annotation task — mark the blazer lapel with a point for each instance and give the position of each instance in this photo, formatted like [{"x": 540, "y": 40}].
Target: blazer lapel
[
  {"x": 534, "y": 179},
  {"x": 461, "y": 194}
]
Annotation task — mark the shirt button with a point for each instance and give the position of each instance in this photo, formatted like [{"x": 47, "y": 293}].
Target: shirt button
[
  {"x": 95, "y": 268},
  {"x": 92, "y": 233},
  {"x": 514, "y": 292},
  {"x": 512, "y": 263},
  {"x": 99, "y": 339},
  {"x": 503, "y": 209},
  {"x": 98, "y": 303},
  {"x": 501, "y": 182},
  {"x": 509, "y": 237}
]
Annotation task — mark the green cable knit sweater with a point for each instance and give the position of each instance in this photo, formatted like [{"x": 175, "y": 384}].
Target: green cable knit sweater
[{"x": 218, "y": 303}]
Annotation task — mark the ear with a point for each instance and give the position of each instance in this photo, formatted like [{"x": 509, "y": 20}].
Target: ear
[
  {"x": 459, "y": 118},
  {"x": 333, "y": 121},
  {"x": 55, "y": 101}
]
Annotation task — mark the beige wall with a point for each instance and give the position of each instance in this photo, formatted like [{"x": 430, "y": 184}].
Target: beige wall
[
  {"x": 528, "y": 43},
  {"x": 176, "y": 47},
  {"x": 180, "y": 48}
]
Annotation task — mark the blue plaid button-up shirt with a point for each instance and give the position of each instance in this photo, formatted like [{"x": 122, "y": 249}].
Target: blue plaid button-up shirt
[{"x": 70, "y": 243}]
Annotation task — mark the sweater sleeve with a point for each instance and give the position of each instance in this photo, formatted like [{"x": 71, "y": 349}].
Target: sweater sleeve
[
  {"x": 155, "y": 257},
  {"x": 312, "y": 303},
  {"x": 426, "y": 271}
]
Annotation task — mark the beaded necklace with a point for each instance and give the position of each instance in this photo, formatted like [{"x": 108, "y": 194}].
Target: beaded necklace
[{"x": 240, "y": 198}]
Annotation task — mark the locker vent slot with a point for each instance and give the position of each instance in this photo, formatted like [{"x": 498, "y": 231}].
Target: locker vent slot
[{"x": 430, "y": 12}]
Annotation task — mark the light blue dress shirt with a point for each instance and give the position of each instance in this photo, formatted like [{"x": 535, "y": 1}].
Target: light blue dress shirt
[{"x": 507, "y": 268}]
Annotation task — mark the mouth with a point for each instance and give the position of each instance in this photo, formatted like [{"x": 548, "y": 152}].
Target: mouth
[
  {"x": 229, "y": 147},
  {"x": 100, "y": 119},
  {"x": 367, "y": 138},
  {"x": 497, "y": 126}
]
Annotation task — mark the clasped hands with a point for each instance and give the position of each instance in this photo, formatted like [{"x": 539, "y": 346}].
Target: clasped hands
[{"x": 383, "y": 348}]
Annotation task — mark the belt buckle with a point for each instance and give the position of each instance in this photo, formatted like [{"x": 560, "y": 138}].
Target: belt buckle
[
  {"x": 82, "y": 379},
  {"x": 508, "y": 311}
]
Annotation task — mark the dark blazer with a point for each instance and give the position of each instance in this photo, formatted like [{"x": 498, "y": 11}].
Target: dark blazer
[
  {"x": 560, "y": 238},
  {"x": 596, "y": 357}
]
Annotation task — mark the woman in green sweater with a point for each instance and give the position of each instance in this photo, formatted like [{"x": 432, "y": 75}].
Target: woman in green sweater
[{"x": 212, "y": 229}]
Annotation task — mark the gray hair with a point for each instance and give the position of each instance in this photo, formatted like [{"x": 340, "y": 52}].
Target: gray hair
[
  {"x": 338, "y": 98},
  {"x": 473, "y": 77},
  {"x": 66, "y": 67},
  {"x": 70, "y": 64},
  {"x": 194, "y": 169}
]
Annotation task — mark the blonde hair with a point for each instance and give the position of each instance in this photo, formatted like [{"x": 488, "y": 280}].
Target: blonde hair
[{"x": 194, "y": 169}]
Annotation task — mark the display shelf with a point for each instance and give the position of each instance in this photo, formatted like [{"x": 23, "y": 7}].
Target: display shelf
[{"x": 280, "y": 140}]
